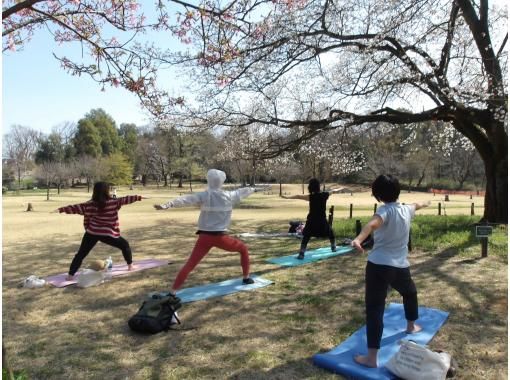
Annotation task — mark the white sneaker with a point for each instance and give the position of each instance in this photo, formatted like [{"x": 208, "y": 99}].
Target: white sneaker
[{"x": 33, "y": 282}]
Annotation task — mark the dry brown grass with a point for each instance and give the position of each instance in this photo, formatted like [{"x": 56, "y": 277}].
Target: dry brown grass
[{"x": 270, "y": 333}]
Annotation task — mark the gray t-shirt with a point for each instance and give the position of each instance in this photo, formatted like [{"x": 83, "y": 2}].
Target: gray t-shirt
[{"x": 390, "y": 240}]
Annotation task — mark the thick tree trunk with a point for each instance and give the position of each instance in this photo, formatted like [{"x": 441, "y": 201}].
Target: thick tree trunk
[
  {"x": 491, "y": 141},
  {"x": 180, "y": 182},
  {"x": 496, "y": 189},
  {"x": 420, "y": 180}
]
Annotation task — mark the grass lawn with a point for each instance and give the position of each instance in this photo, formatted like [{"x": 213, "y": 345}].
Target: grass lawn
[{"x": 269, "y": 333}]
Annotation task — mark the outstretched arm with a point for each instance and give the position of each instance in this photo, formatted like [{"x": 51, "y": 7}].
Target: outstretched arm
[
  {"x": 186, "y": 200},
  {"x": 367, "y": 229},
  {"x": 129, "y": 199},
  {"x": 337, "y": 190},
  {"x": 302, "y": 197},
  {"x": 419, "y": 205},
  {"x": 72, "y": 209}
]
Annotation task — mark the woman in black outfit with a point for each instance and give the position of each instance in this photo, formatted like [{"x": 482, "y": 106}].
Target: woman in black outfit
[{"x": 316, "y": 223}]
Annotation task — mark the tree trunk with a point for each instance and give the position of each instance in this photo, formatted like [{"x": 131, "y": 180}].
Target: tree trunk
[
  {"x": 253, "y": 171},
  {"x": 191, "y": 188},
  {"x": 88, "y": 185},
  {"x": 496, "y": 189},
  {"x": 422, "y": 177},
  {"x": 166, "y": 180},
  {"x": 280, "y": 187},
  {"x": 180, "y": 182},
  {"x": 58, "y": 188}
]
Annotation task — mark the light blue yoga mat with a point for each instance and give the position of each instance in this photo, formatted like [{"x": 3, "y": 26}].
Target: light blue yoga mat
[
  {"x": 310, "y": 256},
  {"x": 341, "y": 358},
  {"x": 218, "y": 289}
]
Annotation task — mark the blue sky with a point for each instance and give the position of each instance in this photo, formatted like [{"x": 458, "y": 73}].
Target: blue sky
[{"x": 38, "y": 94}]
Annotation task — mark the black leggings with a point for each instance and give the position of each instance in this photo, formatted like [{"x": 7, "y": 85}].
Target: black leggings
[
  {"x": 89, "y": 241},
  {"x": 307, "y": 236},
  {"x": 378, "y": 278}
]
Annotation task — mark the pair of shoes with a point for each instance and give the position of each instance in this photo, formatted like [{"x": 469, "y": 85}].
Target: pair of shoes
[
  {"x": 247, "y": 281},
  {"x": 33, "y": 282},
  {"x": 301, "y": 256}
]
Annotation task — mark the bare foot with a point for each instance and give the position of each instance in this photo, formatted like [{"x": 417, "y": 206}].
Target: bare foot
[
  {"x": 130, "y": 267},
  {"x": 413, "y": 328},
  {"x": 365, "y": 361},
  {"x": 69, "y": 278}
]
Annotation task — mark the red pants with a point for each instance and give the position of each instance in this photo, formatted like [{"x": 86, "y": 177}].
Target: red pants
[{"x": 203, "y": 245}]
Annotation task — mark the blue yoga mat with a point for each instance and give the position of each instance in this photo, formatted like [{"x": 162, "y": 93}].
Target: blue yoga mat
[
  {"x": 341, "y": 358},
  {"x": 310, "y": 256},
  {"x": 218, "y": 289}
]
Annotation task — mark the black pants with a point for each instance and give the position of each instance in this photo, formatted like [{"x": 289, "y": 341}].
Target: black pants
[
  {"x": 89, "y": 241},
  {"x": 307, "y": 236},
  {"x": 377, "y": 279}
]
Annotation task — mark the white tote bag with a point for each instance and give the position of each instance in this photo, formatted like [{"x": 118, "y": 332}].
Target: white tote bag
[{"x": 415, "y": 362}]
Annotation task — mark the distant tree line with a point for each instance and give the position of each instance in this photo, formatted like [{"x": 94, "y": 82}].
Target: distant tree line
[{"x": 95, "y": 148}]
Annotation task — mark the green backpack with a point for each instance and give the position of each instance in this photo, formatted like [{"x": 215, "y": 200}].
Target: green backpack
[{"x": 156, "y": 314}]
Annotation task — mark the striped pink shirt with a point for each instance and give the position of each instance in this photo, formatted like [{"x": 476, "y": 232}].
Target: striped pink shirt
[{"x": 103, "y": 222}]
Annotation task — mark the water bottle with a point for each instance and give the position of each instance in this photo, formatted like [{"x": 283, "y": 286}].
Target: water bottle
[{"x": 109, "y": 264}]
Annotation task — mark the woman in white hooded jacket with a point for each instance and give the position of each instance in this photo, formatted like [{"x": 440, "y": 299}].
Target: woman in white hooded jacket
[{"x": 215, "y": 216}]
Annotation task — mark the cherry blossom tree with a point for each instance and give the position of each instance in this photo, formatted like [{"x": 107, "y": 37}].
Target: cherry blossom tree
[
  {"x": 282, "y": 167},
  {"x": 365, "y": 60},
  {"x": 457, "y": 151},
  {"x": 302, "y": 65},
  {"x": 247, "y": 148}
]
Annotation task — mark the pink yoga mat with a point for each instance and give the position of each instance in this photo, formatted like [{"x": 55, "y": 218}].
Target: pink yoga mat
[{"x": 59, "y": 280}]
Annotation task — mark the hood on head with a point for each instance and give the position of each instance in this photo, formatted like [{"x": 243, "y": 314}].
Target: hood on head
[{"x": 215, "y": 179}]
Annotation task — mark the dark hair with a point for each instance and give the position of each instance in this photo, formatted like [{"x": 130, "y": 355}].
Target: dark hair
[
  {"x": 101, "y": 193},
  {"x": 386, "y": 188},
  {"x": 314, "y": 186}
]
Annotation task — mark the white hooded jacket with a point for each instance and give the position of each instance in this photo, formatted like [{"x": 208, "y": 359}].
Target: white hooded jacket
[{"x": 215, "y": 204}]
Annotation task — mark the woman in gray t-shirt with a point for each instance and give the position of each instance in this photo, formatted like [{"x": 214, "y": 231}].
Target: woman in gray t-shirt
[{"x": 387, "y": 263}]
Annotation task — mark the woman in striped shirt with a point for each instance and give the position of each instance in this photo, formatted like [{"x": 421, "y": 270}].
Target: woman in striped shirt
[{"x": 101, "y": 222}]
